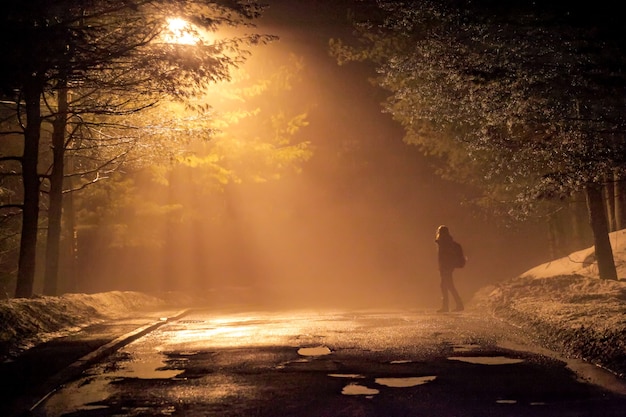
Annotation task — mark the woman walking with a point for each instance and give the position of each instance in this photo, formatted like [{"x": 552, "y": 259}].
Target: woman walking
[{"x": 447, "y": 257}]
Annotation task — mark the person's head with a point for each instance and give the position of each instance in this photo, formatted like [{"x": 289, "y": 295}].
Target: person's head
[{"x": 442, "y": 232}]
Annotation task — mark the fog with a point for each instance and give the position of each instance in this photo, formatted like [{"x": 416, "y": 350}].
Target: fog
[{"x": 355, "y": 228}]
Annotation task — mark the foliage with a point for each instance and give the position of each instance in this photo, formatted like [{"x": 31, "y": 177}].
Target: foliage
[
  {"x": 255, "y": 127},
  {"x": 248, "y": 136},
  {"x": 117, "y": 55},
  {"x": 108, "y": 207},
  {"x": 525, "y": 100},
  {"x": 107, "y": 42}
]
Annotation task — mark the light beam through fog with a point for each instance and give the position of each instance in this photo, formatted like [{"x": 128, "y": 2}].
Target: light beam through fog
[{"x": 354, "y": 229}]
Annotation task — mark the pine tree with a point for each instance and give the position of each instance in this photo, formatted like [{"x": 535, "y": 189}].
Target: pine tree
[{"x": 69, "y": 43}]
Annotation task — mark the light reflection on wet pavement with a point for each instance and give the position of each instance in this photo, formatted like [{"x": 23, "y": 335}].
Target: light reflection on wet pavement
[
  {"x": 486, "y": 360},
  {"x": 405, "y": 382},
  {"x": 212, "y": 362},
  {"x": 353, "y": 388},
  {"x": 314, "y": 351}
]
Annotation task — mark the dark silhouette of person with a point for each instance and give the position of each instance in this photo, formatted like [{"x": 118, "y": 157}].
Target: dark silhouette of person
[{"x": 446, "y": 257}]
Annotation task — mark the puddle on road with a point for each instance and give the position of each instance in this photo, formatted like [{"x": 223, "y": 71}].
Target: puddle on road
[
  {"x": 400, "y": 362},
  {"x": 298, "y": 361},
  {"x": 465, "y": 347},
  {"x": 405, "y": 382},
  {"x": 511, "y": 402},
  {"x": 401, "y": 382},
  {"x": 150, "y": 365},
  {"x": 351, "y": 376},
  {"x": 357, "y": 389},
  {"x": 486, "y": 360},
  {"x": 146, "y": 370},
  {"x": 78, "y": 398},
  {"x": 86, "y": 396},
  {"x": 314, "y": 351},
  {"x": 307, "y": 354}
]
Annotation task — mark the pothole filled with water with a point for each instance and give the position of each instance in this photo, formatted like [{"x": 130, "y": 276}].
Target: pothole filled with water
[
  {"x": 469, "y": 347},
  {"x": 506, "y": 401},
  {"x": 349, "y": 376},
  {"x": 486, "y": 360},
  {"x": 354, "y": 388},
  {"x": 357, "y": 389},
  {"x": 405, "y": 382},
  {"x": 314, "y": 351}
]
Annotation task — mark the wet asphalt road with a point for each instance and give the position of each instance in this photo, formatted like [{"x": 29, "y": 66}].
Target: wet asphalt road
[{"x": 330, "y": 363}]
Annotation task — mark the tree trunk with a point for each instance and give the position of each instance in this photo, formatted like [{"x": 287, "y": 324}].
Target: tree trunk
[
  {"x": 30, "y": 179},
  {"x": 620, "y": 202},
  {"x": 69, "y": 241},
  {"x": 602, "y": 244},
  {"x": 55, "y": 209},
  {"x": 610, "y": 204},
  {"x": 552, "y": 238},
  {"x": 580, "y": 223}
]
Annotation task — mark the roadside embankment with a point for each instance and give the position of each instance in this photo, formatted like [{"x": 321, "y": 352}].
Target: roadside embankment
[{"x": 577, "y": 316}]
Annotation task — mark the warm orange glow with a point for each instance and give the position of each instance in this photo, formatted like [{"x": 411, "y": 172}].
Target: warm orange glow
[
  {"x": 353, "y": 229},
  {"x": 261, "y": 328},
  {"x": 181, "y": 32}
]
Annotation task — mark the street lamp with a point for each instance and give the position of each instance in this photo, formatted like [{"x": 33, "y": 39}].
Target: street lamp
[{"x": 180, "y": 31}]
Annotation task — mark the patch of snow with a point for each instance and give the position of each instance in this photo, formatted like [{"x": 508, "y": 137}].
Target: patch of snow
[
  {"x": 564, "y": 306},
  {"x": 583, "y": 262},
  {"x": 26, "y": 322}
]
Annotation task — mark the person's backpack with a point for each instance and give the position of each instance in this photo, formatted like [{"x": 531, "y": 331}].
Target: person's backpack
[{"x": 459, "y": 257}]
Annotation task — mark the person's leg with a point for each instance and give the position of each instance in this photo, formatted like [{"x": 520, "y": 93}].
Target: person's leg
[
  {"x": 446, "y": 279},
  {"x": 455, "y": 295}
]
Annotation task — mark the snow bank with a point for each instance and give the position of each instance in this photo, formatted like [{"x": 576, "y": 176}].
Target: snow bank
[
  {"x": 27, "y": 322},
  {"x": 583, "y": 262},
  {"x": 564, "y": 306}
]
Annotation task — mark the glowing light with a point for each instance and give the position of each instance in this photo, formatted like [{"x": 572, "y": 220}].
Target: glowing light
[
  {"x": 181, "y": 32},
  {"x": 177, "y": 24}
]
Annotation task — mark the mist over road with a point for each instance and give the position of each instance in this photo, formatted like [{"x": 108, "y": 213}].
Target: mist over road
[{"x": 330, "y": 362}]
